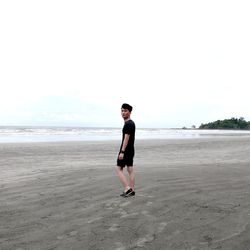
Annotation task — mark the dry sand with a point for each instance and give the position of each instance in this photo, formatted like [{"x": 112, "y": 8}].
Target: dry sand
[{"x": 191, "y": 194}]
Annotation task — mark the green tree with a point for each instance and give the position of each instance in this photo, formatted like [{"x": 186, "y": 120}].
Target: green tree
[{"x": 233, "y": 123}]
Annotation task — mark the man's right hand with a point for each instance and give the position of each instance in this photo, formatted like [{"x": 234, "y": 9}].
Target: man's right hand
[{"x": 121, "y": 156}]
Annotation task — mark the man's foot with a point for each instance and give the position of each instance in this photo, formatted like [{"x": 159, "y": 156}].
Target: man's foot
[
  {"x": 130, "y": 194},
  {"x": 124, "y": 194}
]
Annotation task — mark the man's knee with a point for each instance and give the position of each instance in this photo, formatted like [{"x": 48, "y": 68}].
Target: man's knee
[{"x": 130, "y": 170}]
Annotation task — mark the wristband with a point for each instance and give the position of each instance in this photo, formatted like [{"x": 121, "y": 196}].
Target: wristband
[{"x": 122, "y": 151}]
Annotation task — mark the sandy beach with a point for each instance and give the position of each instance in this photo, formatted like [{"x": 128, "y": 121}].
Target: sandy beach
[{"x": 190, "y": 194}]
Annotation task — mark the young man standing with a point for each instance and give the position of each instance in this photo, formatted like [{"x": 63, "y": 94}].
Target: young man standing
[{"x": 127, "y": 151}]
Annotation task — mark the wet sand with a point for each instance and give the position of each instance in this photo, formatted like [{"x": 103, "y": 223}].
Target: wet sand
[{"x": 190, "y": 194}]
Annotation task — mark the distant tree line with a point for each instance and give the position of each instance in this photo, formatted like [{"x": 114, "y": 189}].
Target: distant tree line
[{"x": 232, "y": 123}]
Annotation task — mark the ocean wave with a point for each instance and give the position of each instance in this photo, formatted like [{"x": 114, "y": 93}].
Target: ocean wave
[{"x": 23, "y": 134}]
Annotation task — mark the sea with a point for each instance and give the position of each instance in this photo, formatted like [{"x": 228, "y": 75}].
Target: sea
[{"x": 22, "y": 134}]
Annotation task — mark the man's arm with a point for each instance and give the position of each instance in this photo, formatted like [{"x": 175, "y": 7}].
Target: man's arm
[
  {"x": 125, "y": 142},
  {"x": 124, "y": 145}
]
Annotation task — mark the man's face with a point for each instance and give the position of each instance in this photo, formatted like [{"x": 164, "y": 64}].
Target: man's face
[{"x": 125, "y": 113}]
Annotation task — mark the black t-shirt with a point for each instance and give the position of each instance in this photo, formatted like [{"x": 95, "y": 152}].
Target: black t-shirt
[{"x": 129, "y": 128}]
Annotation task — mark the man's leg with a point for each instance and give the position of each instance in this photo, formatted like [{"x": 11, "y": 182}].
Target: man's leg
[
  {"x": 131, "y": 177},
  {"x": 122, "y": 178}
]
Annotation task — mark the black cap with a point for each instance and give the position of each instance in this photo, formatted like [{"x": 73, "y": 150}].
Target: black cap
[{"x": 127, "y": 106}]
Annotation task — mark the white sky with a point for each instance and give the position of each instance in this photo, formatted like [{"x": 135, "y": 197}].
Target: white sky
[{"x": 178, "y": 63}]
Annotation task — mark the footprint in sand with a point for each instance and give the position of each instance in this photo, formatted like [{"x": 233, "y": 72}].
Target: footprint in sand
[
  {"x": 113, "y": 228},
  {"x": 111, "y": 204},
  {"x": 119, "y": 246},
  {"x": 125, "y": 204},
  {"x": 142, "y": 241},
  {"x": 161, "y": 227},
  {"x": 124, "y": 214},
  {"x": 129, "y": 215},
  {"x": 94, "y": 220},
  {"x": 146, "y": 213},
  {"x": 73, "y": 233},
  {"x": 109, "y": 208},
  {"x": 149, "y": 203},
  {"x": 121, "y": 212}
]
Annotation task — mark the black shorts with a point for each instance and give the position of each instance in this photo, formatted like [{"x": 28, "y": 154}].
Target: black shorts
[{"x": 126, "y": 161}]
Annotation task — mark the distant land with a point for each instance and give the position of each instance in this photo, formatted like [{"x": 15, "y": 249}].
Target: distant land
[{"x": 233, "y": 123}]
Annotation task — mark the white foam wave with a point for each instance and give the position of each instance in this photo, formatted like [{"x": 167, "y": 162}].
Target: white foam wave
[{"x": 20, "y": 134}]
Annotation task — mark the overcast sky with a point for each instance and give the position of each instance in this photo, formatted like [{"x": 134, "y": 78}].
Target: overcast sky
[{"x": 73, "y": 63}]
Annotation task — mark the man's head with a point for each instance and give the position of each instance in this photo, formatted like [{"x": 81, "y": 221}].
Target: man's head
[
  {"x": 126, "y": 111},
  {"x": 127, "y": 106}
]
